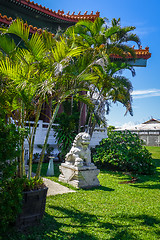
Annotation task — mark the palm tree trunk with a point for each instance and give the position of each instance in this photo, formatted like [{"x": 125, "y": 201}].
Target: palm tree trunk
[
  {"x": 23, "y": 162},
  {"x": 46, "y": 139},
  {"x": 80, "y": 115},
  {"x": 32, "y": 139}
]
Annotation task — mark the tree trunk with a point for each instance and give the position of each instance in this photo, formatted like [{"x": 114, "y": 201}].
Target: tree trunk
[
  {"x": 46, "y": 139},
  {"x": 32, "y": 139}
]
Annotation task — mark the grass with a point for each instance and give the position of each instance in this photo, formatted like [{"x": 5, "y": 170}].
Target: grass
[{"x": 112, "y": 211}]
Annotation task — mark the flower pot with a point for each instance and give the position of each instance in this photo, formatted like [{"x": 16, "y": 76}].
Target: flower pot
[{"x": 33, "y": 208}]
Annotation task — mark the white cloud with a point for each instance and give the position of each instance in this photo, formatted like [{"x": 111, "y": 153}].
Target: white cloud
[{"x": 146, "y": 93}]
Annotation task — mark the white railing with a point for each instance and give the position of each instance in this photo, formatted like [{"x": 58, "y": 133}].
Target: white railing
[{"x": 98, "y": 134}]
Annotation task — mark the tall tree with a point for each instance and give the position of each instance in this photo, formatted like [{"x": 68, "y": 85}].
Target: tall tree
[
  {"x": 34, "y": 68},
  {"x": 102, "y": 42}
]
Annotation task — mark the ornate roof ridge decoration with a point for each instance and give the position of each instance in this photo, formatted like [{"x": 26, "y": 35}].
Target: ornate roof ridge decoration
[
  {"x": 7, "y": 21},
  {"x": 60, "y": 14},
  {"x": 140, "y": 53}
]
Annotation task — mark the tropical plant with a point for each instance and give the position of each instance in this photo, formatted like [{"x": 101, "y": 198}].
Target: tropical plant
[
  {"x": 123, "y": 151},
  {"x": 10, "y": 192},
  {"x": 102, "y": 43},
  {"x": 35, "y": 69},
  {"x": 48, "y": 153},
  {"x": 39, "y": 68},
  {"x": 65, "y": 132}
]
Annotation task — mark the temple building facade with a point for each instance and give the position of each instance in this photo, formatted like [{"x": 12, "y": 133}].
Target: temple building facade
[{"x": 40, "y": 18}]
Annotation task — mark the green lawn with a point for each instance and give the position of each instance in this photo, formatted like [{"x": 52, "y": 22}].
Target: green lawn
[
  {"x": 112, "y": 211},
  {"x": 155, "y": 152}
]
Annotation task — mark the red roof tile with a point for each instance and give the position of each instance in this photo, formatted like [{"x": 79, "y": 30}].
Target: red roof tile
[
  {"x": 60, "y": 14},
  {"x": 140, "y": 53}
]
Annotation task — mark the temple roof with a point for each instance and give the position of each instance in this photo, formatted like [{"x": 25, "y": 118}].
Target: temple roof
[
  {"x": 152, "y": 121},
  {"x": 39, "y": 18},
  {"x": 34, "y": 7},
  {"x": 6, "y": 21},
  {"x": 140, "y": 53}
]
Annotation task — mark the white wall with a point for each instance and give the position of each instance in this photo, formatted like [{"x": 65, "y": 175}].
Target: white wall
[{"x": 98, "y": 135}]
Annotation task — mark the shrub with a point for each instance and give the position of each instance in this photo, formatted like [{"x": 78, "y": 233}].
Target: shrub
[
  {"x": 10, "y": 192},
  {"x": 65, "y": 132},
  {"x": 123, "y": 151},
  {"x": 10, "y": 202}
]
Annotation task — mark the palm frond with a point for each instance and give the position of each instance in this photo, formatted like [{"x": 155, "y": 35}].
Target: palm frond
[
  {"x": 20, "y": 29},
  {"x": 7, "y": 44},
  {"x": 37, "y": 46}
]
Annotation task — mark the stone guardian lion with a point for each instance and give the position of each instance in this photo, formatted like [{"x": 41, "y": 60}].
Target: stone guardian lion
[{"x": 80, "y": 154}]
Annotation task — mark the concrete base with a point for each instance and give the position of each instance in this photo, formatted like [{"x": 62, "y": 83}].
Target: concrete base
[{"x": 79, "y": 177}]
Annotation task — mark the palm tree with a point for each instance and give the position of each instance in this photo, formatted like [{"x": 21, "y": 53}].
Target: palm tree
[
  {"x": 101, "y": 42},
  {"x": 35, "y": 70}
]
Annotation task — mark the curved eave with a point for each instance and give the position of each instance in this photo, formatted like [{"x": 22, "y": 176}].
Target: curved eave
[
  {"x": 142, "y": 55},
  {"x": 7, "y": 21},
  {"x": 57, "y": 15}
]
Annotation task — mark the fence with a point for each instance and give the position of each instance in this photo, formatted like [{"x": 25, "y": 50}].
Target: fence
[{"x": 98, "y": 135}]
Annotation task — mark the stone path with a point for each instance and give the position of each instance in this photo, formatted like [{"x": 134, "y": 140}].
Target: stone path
[{"x": 55, "y": 188}]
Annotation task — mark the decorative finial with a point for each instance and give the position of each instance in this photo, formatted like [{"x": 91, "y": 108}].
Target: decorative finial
[
  {"x": 79, "y": 13},
  {"x": 97, "y": 14},
  {"x": 85, "y": 13}
]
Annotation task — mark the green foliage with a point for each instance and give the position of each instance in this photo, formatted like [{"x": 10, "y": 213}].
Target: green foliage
[
  {"x": 32, "y": 184},
  {"x": 10, "y": 202},
  {"x": 10, "y": 192},
  {"x": 9, "y": 141},
  {"x": 65, "y": 132},
  {"x": 67, "y": 126},
  {"x": 11, "y": 195},
  {"x": 123, "y": 151},
  {"x": 110, "y": 128},
  {"x": 49, "y": 150}
]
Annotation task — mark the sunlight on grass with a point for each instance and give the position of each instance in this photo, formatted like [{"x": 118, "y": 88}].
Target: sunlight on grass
[{"x": 111, "y": 211}]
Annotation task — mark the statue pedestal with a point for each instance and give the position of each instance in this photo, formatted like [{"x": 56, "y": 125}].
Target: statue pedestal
[{"x": 79, "y": 177}]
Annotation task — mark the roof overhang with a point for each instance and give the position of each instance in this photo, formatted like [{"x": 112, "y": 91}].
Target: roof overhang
[{"x": 140, "y": 60}]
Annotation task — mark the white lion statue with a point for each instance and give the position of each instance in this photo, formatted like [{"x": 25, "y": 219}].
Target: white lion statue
[{"x": 80, "y": 154}]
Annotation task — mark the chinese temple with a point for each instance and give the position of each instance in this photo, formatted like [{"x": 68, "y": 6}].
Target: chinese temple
[{"x": 39, "y": 18}]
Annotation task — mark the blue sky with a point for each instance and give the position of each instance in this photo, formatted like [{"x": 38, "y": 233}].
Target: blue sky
[{"x": 144, "y": 15}]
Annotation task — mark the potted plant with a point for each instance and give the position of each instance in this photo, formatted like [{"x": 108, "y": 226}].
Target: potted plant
[
  {"x": 22, "y": 200},
  {"x": 30, "y": 74}
]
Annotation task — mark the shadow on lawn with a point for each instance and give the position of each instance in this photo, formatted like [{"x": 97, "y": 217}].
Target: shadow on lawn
[
  {"x": 80, "y": 221},
  {"x": 100, "y": 188},
  {"x": 153, "y": 180},
  {"x": 70, "y": 223},
  {"x": 143, "y": 181},
  {"x": 145, "y": 219},
  {"x": 125, "y": 235},
  {"x": 141, "y": 220}
]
